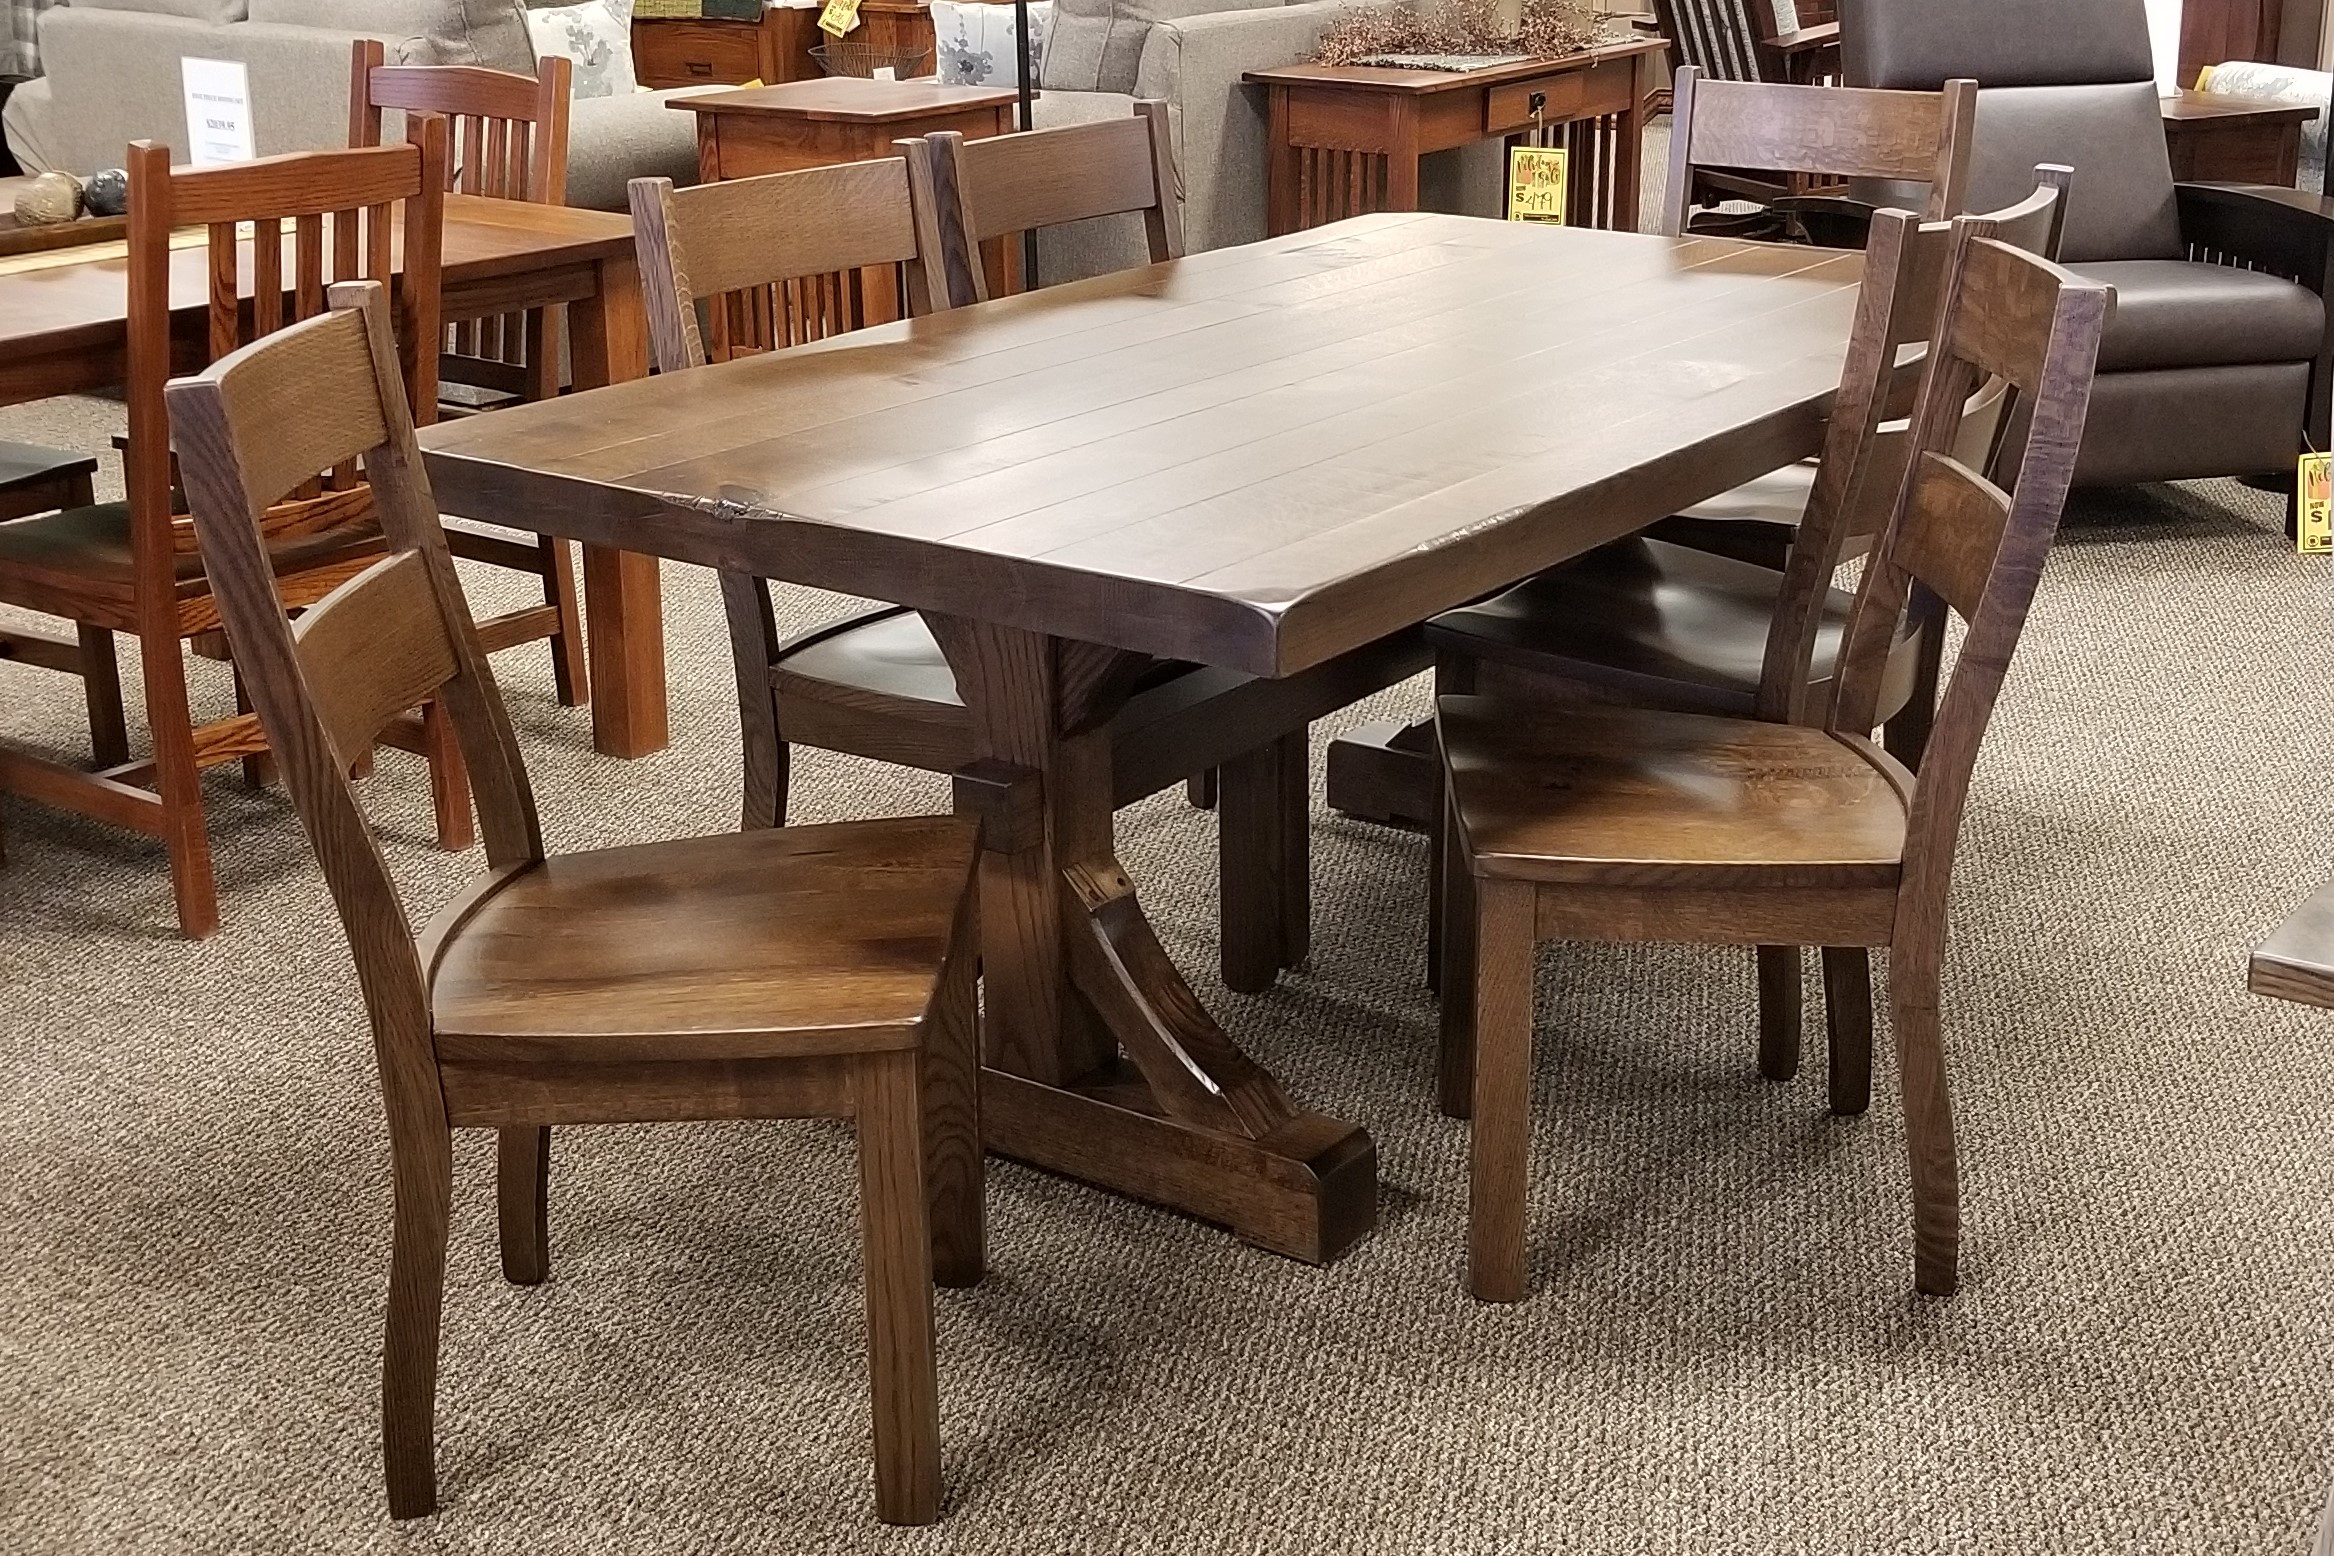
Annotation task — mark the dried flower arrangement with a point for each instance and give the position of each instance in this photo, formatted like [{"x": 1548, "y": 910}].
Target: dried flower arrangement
[{"x": 1550, "y": 28}]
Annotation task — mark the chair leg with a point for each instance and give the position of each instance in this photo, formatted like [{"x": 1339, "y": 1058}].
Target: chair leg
[
  {"x": 1455, "y": 950},
  {"x": 522, "y": 1202},
  {"x": 101, "y": 688},
  {"x": 1453, "y": 677},
  {"x": 1199, "y": 790},
  {"x": 424, "y": 1173},
  {"x": 1928, "y": 1118},
  {"x": 753, "y": 648},
  {"x": 1847, "y": 1012},
  {"x": 1502, "y": 974},
  {"x": 449, "y": 779},
  {"x": 571, "y": 675},
  {"x": 258, "y": 768},
  {"x": 178, "y": 780},
  {"x": 952, "y": 1113},
  {"x": 896, "y": 1240},
  {"x": 1780, "y": 1013},
  {"x": 1263, "y": 820}
]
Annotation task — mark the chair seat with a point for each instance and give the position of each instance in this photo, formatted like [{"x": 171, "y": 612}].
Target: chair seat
[
  {"x": 783, "y": 943},
  {"x": 890, "y": 653},
  {"x": 28, "y": 464},
  {"x": 1654, "y": 621},
  {"x": 1779, "y": 497},
  {"x": 2181, "y": 313},
  {"x": 1602, "y": 795},
  {"x": 94, "y": 544}
]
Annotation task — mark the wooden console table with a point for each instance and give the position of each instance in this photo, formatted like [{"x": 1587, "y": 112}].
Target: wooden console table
[
  {"x": 802, "y": 124},
  {"x": 2235, "y": 140},
  {"x": 670, "y": 51},
  {"x": 1346, "y": 140}
]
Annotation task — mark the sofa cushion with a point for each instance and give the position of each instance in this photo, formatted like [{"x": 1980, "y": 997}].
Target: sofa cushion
[
  {"x": 1097, "y": 45},
  {"x": 2112, "y": 136},
  {"x": 2175, "y": 313},
  {"x": 213, "y": 11},
  {"x": 492, "y": 33},
  {"x": 593, "y": 38},
  {"x": 973, "y": 43}
]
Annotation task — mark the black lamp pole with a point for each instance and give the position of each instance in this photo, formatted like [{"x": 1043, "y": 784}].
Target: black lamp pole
[{"x": 1021, "y": 69}]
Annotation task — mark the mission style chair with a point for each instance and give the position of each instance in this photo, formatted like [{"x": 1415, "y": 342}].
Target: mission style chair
[
  {"x": 133, "y": 567},
  {"x": 1669, "y": 826},
  {"x": 507, "y": 139},
  {"x": 811, "y": 972}
]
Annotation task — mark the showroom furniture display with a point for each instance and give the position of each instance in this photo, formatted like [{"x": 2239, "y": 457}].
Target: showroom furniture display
[
  {"x": 132, "y": 566},
  {"x": 823, "y": 972},
  {"x": 1745, "y": 40},
  {"x": 2217, "y": 360},
  {"x": 1629, "y": 824},
  {"x": 2297, "y": 961},
  {"x": 2215, "y": 138},
  {"x": 507, "y": 138},
  {"x": 1347, "y": 140}
]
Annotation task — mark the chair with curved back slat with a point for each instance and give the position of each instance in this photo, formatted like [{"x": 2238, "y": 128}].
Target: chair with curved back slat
[
  {"x": 819, "y": 972},
  {"x": 1687, "y": 827},
  {"x": 507, "y": 140}
]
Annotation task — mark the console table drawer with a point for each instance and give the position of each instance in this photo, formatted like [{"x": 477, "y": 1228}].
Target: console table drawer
[
  {"x": 1507, "y": 109},
  {"x": 679, "y": 52}
]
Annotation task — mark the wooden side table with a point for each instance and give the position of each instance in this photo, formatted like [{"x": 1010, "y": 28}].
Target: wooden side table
[
  {"x": 2235, "y": 140},
  {"x": 669, "y": 51},
  {"x": 1346, "y": 140}
]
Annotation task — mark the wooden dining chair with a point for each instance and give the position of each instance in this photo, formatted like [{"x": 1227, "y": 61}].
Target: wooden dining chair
[
  {"x": 1005, "y": 185},
  {"x": 823, "y": 972},
  {"x": 777, "y": 260},
  {"x": 1745, "y": 40},
  {"x": 506, "y": 139},
  {"x": 1628, "y": 824},
  {"x": 132, "y": 566}
]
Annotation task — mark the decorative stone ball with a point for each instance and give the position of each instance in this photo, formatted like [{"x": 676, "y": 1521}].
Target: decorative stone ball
[
  {"x": 48, "y": 200},
  {"x": 107, "y": 193}
]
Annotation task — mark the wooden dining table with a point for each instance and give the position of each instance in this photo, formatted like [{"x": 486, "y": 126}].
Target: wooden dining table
[
  {"x": 64, "y": 329},
  {"x": 1259, "y": 458}
]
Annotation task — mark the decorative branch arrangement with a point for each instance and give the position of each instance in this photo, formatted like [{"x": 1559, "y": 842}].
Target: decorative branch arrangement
[{"x": 1550, "y": 28}]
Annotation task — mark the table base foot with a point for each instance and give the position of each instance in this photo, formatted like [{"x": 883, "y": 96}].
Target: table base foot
[
  {"x": 1385, "y": 772},
  {"x": 1307, "y": 1188}
]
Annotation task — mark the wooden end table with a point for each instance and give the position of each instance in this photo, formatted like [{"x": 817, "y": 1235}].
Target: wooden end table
[
  {"x": 1346, "y": 140},
  {"x": 802, "y": 124},
  {"x": 669, "y": 51},
  {"x": 2235, "y": 140}
]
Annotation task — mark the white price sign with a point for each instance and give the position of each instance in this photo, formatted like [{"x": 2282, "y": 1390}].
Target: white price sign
[{"x": 218, "y": 110}]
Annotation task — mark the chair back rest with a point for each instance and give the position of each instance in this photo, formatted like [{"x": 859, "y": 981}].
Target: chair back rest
[
  {"x": 1005, "y": 185},
  {"x": 2070, "y": 82},
  {"x": 1841, "y": 132},
  {"x": 775, "y": 261},
  {"x": 371, "y": 214},
  {"x": 1864, "y": 456},
  {"x": 506, "y": 139},
  {"x": 324, "y": 392},
  {"x": 1971, "y": 537},
  {"x": 1720, "y": 38}
]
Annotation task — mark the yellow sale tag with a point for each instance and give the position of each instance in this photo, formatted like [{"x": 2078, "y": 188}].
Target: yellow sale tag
[
  {"x": 839, "y": 17},
  {"x": 1535, "y": 184},
  {"x": 2315, "y": 482}
]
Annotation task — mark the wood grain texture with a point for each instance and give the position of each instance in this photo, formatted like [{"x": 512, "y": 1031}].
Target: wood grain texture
[
  {"x": 1209, "y": 460},
  {"x": 2296, "y": 962}
]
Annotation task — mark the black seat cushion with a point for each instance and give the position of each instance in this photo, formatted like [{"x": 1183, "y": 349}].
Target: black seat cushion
[
  {"x": 94, "y": 544},
  {"x": 2179, "y": 313},
  {"x": 890, "y": 650},
  {"x": 24, "y": 464}
]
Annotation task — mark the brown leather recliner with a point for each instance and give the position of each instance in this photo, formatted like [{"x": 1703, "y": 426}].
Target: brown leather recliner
[{"x": 2207, "y": 368}]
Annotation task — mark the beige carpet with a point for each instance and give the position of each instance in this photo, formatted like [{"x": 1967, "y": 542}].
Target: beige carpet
[{"x": 1723, "y": 1353}]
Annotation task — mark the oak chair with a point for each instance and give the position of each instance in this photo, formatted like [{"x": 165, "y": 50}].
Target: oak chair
[
  {"x": 816, "y": 972},
  {"x": 1672, "y": 826},
  {"x": 507, "y": 139},
  {"x": 1006, "y": 185},
  {"x": 1745, "y": 40},
  {"x": 133, "y": 566}
]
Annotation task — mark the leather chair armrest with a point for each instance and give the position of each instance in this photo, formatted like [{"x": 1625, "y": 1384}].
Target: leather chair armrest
[{"x": 2286, "y": 232}]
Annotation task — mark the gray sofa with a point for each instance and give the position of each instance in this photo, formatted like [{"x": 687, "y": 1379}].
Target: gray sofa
[{"x": 112, "y": 76}]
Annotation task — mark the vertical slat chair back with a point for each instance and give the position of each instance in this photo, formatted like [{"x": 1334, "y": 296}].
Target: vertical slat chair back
[
  {"x": 1835, "y": 132},
  {"x": 1862, "y": 468},
  {"x": 1960, "y": 533},
  {"x": 278, "y": 233},
  {"x": 979, "y": 191},
  {"x": 506, "y": 139},
  {"x": 328, "y": 391},
  {"x": 1716, "y": 37},
  {"x": 775, "y": 261}
]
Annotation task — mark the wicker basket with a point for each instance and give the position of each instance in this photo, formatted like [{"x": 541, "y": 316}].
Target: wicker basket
[{"x": 842, "y": 57}]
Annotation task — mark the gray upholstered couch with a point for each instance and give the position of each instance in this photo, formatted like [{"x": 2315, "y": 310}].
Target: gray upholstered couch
[{"x": 112, "y": 76}]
